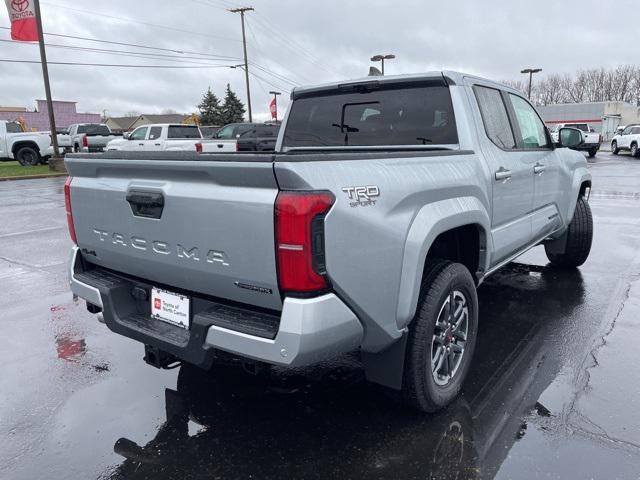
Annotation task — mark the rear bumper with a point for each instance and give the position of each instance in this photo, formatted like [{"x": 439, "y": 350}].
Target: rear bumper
[
  {"x": 305, "y": 332},
  {"x": 589, "y": 146}
]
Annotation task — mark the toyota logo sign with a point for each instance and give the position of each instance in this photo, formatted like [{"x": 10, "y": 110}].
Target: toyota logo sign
[{"x": 19, "y": 5}]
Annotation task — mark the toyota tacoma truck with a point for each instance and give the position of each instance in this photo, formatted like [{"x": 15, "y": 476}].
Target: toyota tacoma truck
[
  {"x": 385, "y": 205},
  {"x": 28, "y": 148},
  {"x": 592, "y": 139}
]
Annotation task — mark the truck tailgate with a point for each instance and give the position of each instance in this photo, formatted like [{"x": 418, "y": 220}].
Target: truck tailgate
[{"x": 181, "y": 220}]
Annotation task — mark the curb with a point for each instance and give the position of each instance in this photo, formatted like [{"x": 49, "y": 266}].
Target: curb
[{"x": 30, "y": 177}]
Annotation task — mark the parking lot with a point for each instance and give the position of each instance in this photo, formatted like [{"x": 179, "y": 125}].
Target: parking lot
[{"x": 554, "y": 390}]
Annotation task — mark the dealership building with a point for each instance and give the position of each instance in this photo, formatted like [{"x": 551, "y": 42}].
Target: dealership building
[{"x": 603, "y": 117}]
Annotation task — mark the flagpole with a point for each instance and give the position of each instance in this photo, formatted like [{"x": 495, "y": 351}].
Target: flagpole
[{"x": 45, "y": 74}]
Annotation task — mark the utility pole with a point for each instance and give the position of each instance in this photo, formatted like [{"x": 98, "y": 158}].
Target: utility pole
[
  {"x": 530, "y": 71},
  {"x": 244, "y": 46},
  {"x": 382, "y": 58},
  {"x": 275, "y": 101},
  {"x": 45, "y": 74}
]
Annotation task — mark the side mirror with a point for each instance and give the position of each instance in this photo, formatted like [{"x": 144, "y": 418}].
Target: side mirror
[
  {"x": 570, "y": 137},
  {"x": 126, "y": 135}
]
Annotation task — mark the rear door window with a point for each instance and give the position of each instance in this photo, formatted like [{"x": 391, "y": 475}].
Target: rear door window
[
  {"x": 155, "y": 132},
  {"x": 394, "y": 114},
  {"x": 495, "y": 117},
  {"x": 580, "y": 126},
  {"x": 179, "y": 131}
]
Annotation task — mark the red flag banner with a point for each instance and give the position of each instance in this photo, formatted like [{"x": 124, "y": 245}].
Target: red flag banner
[
  {"x": 273, "y": 108},
  {"x": 22, "y": 14}
]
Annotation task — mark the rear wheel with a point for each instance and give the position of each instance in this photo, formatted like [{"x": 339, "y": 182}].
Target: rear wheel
[
  {"x": 441, "y": 338},
  {"x": 614, "y": 147},
  {"x": 28, "y": 156},
  {"x": 579, "y": 238}
]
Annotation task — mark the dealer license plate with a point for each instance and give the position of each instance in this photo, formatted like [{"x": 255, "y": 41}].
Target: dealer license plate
[{"x": 170, "y": 307}]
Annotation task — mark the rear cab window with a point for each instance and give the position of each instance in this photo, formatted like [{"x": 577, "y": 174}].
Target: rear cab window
[
  {"x": 14, "y": 127},
  {"x": 94, "y": 129},
  {"x": 183, "y": 131},
  {"x": 373, "y": 114}
]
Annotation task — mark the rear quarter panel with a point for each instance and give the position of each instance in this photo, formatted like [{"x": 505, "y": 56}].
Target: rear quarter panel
[{"x": 375, "y": 253}]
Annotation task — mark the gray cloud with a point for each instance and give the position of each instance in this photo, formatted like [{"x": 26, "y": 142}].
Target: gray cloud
[{"x": 308, "y": 42}]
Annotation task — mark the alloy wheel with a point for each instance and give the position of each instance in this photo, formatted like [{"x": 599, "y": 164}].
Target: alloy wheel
[{"x": 449, "y": 338}]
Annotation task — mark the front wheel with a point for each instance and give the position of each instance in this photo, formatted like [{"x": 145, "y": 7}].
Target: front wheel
[
  {"x": 579, "y": 238},
  {"x": 614, "y": 147},
  {"x": 28, "y": 156},
  {"x": 442, "y": 337},
  {"x": 634, "y": 150}
]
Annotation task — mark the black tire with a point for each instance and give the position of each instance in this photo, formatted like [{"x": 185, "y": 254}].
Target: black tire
[
  {"x": 419, "y": 387},
  {"x": 634, "y": 150},
  {"x": 592, "y": 152},
  {"x": 614, "y": 147},
  {"x": 28, "y": 156},
  {"x": 579, "y": 238}
]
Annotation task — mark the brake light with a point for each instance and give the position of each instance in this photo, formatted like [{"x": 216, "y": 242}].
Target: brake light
[
  {"x": 85, "y": 141},
  {"x": 199, "y": 147},
  {"x": 299, "y": 218},
  {"x": 67, "y": 206}
]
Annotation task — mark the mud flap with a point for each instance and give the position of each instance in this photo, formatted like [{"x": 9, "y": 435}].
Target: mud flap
[{"x": 387, "y": 367}]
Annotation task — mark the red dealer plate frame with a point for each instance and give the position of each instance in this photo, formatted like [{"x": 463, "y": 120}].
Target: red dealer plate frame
[{"x": 171, "y": 307}]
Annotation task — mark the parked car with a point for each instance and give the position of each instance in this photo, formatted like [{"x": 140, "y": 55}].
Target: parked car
[
  {"x": 28, "y": 148},
  {"x": 158, "y": 137},
  {"x": 251, "y": 137},
  {"x": 592, "y": 139},
  {"x": 386, "y": 203},
  {"x": 90, "y": 137},
  {"x": 64, "y": 140},
  {"x": 628, "y": 139}
]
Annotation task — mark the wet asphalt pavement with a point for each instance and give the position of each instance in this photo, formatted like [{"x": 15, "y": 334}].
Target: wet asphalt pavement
[{"x": 554, "y": 391}]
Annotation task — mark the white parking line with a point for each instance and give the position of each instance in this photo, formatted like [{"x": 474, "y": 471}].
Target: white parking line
[{"x": 27, "y": 232}]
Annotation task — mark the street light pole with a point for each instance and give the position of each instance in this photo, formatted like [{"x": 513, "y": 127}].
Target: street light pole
[
  {"x": 47, "y": 87},
  {"x": 244, "y": 47},
  {"x": 382, "y": 58},
  {"x": 530, "y": 71},
  {"x": 275, "y": 101}
]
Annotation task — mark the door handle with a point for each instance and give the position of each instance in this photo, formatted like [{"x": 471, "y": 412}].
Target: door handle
[
  {"x": 220, "y": 145},
  {"x": 141, "y": 144},
  {"x": 157, "y": 144},
  {"x": 539, "y": 168},
  {"x": 503, "y": 174}
]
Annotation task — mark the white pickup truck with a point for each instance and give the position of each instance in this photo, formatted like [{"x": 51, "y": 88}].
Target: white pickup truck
[
  {"x": 90, "y": 137},
  {"x": 592, "y": 139},
  {"x": 159, "y": 137},
  {"x": 28, "y": 148}
]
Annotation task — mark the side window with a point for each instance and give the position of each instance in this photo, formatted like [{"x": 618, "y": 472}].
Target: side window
[
  {"x": 532, "y": 132},
  {"x": 226, "y": 132},
  {"x": 155, "y": 132},
  {"x": 635, "y": 131},
  {"x": 494, "y": 117},
  {"x": 139, "y": 133},
  {"x": 626, "y": 131}
]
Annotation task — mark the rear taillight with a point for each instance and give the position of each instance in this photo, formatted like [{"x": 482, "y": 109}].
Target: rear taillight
[
  {"x": 199, "y": 147},
  {"x": 67, "y": 206},
  {"x": 85, "y": 141},
  {"x": 600, "y": 138},
  {"x": 300, "y": 240}
]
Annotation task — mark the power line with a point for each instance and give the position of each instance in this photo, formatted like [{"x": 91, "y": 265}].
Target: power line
[
  {"x": 6, "y": 60},
  {"x": 129, "y": 20},
  {"x": 107, "y": 51}
]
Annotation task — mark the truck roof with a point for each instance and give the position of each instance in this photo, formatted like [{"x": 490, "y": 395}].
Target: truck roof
[{"x": 451, "y": 77}]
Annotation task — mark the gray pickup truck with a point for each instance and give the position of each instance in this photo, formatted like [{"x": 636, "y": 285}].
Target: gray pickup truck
[{"x": 387, "y": 202}]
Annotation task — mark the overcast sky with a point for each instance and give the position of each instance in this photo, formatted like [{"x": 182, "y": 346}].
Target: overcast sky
[{"x": 303, "y": 42}]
